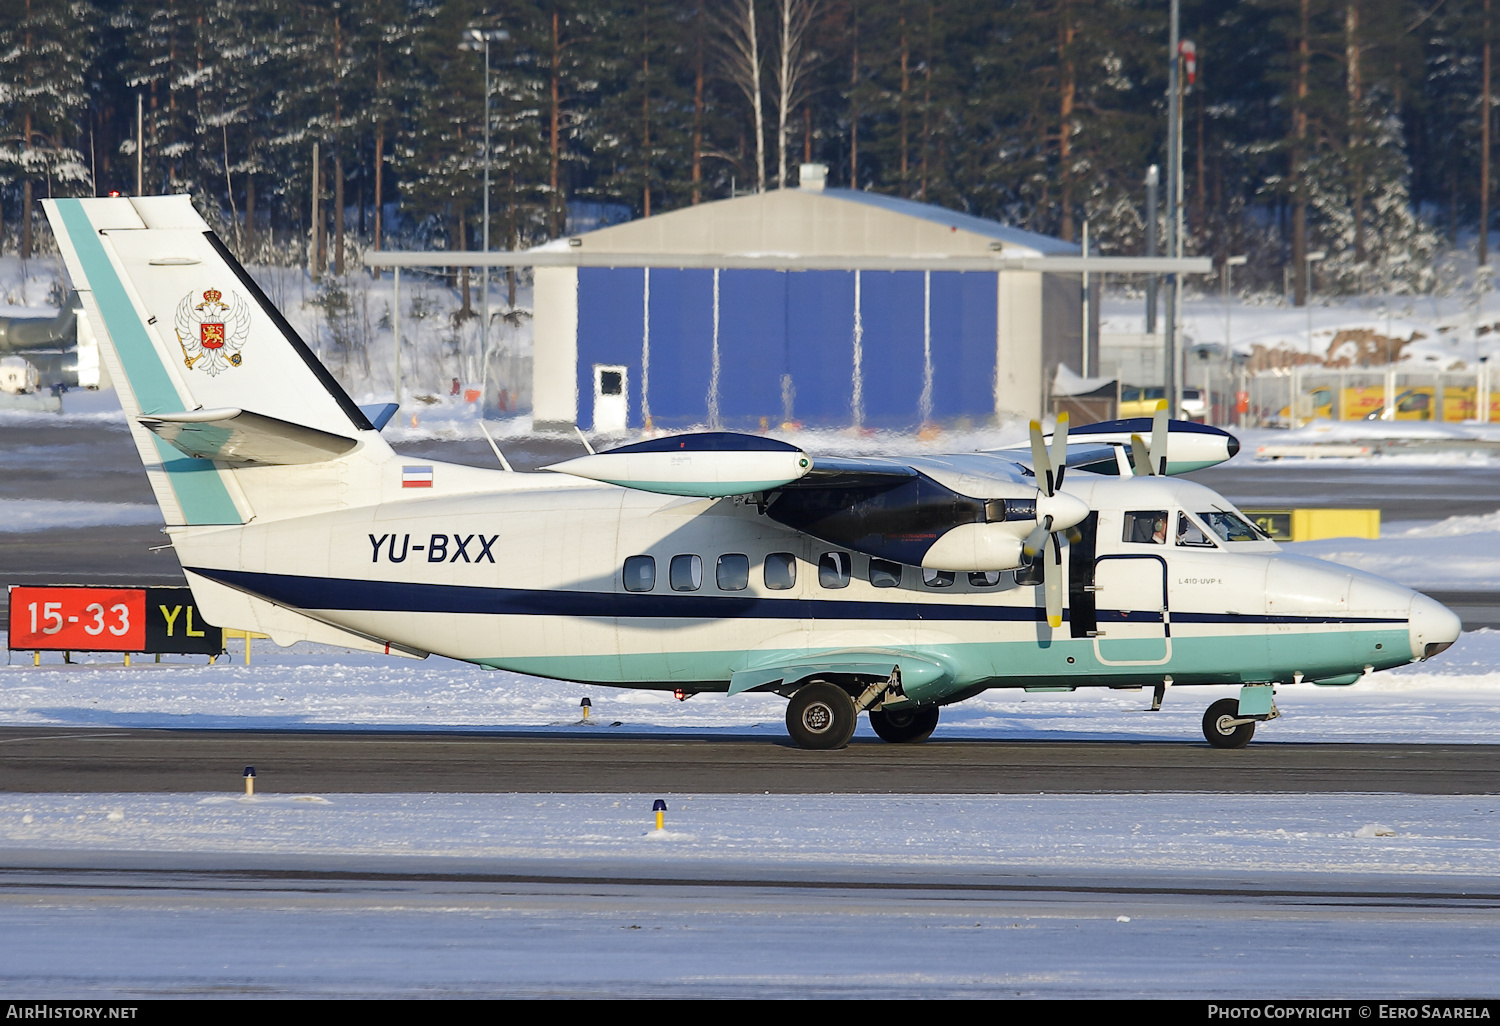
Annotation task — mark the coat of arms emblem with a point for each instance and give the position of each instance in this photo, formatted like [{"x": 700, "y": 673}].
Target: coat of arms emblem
[{"x": 211, "y": 329}]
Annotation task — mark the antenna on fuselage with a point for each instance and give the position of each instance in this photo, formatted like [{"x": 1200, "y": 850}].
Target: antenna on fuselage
[
  {"x": 584, "y": 440},
  {"x": 498, "y": 454}
]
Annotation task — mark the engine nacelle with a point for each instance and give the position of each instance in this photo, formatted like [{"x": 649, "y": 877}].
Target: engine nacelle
[{"x": 976, "y": 547}]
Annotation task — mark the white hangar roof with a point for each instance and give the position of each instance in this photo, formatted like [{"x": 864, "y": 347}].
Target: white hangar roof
[{"x": 819, "y": 223}]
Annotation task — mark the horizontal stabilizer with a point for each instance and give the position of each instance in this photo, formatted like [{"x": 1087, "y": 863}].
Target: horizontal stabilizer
[{"x": 239, "y": 436}]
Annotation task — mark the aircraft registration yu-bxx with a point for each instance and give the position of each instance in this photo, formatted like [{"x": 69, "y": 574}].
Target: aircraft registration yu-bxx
[{"x": 703, "y": 562}]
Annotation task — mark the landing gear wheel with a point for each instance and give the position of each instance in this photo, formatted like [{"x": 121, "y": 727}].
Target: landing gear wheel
[
  {"x": 821, "y": 716},
  {"x": 1218, "y": 729},
  {"x": 905, "y": 726}
]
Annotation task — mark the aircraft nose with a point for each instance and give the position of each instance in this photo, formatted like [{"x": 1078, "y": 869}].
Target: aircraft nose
[{"x": 1433, "y": 627}]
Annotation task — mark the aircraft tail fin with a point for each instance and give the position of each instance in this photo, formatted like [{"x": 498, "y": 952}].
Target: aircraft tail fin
[{"x": 211, "y": 376}]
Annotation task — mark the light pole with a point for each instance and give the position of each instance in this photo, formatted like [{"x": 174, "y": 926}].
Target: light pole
[
  {"x": 1153, "y": 183},
  {"x": 1229, "y": 262},
  {"x": 1234, "y": 261},
  {"x": 475, "y": 39},
  {"x": 1174, "y": 182},
  {"x": 1296, "y": 388}
]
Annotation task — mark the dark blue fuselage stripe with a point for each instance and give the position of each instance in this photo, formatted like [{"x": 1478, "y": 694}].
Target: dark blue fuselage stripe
[{"x": 393, "y": 596}]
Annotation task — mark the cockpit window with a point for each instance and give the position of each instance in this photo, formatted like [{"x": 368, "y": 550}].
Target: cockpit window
[
  {"x": 1190, "y": 535},
  {"x": 1230, "y": 527},
  {"x": 1147, "y": 527}
]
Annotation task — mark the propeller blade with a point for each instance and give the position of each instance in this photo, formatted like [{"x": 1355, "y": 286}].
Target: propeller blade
[
  {"x": 1140, "y": 457},
  {"x": 1159, "y": 439},
  {"x": 1060, "y": 449},
  {"x": 1039, "y": 461},
  {"x": 1037, "y": 538},
  {"x": 1052, "y": 581}
]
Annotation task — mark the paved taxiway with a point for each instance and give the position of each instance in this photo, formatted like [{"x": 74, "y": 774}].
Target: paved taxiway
[
  {"x": 101, "y": 924},
  {"x": 83, "y": 760}
]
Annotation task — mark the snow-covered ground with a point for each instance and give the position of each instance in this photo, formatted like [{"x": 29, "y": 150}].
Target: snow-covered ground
[
  {"x": 1442, "y": 330},
  {"x": 1363, "y": 834},
  {"x": 1454, "y": 698},
  {"x": 1206, "y": 895}
]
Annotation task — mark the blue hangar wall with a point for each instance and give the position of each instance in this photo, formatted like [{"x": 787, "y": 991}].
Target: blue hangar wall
[{"x": 790, "y": 345}]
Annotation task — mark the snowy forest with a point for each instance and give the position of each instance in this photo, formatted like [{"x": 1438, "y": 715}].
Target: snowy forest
[{"x": 1355, "y": 127}]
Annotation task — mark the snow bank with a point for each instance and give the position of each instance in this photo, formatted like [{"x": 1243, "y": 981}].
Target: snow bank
[{"x": 1284, "y": 833}]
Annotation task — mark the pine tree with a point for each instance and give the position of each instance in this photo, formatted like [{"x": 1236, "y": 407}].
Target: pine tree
[{"x": 44, "y": 51}]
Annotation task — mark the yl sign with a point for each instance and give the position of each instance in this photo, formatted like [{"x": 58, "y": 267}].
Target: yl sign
[{"x": 110, "y": 620}]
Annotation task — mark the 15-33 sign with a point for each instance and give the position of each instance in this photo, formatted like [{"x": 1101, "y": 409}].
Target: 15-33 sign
[{"x": 81, "y": 619}]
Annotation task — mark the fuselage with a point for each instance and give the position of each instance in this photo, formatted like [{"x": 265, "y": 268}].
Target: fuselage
[{"x": 553, "y": 576}]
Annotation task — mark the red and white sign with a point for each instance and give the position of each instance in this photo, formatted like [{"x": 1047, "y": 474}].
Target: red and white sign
[
  {"x": 416, "y": 477},
  {"x": 78, "y": 619}
]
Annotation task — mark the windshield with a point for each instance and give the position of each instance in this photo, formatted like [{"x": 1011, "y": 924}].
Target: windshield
[{"x": 1230, "y": 527}]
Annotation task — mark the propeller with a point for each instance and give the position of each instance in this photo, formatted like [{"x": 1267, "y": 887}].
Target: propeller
[
  {"x": 1152, "y": 461},
  {"x": 1056, "y": 513}
]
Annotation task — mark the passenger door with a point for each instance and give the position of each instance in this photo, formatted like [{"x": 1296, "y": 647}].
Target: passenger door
[{"x": 1134, "y": 624}]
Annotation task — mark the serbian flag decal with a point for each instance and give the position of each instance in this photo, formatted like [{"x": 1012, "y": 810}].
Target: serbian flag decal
[{"x": 416, "y": 477}]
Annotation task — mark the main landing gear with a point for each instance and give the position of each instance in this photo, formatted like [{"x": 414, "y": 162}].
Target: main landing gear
[
  {"x": 822, "y": 716},
  {"x": 905, "y": 726}
]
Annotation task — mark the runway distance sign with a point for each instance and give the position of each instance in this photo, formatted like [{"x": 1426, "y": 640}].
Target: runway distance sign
[{"x": 84, "y": 619}]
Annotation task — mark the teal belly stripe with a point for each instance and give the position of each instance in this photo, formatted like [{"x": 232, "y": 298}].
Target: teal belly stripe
[{"x": 200, "y": 492}]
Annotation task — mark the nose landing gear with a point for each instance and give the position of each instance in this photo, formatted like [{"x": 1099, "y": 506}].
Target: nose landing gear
[
  {"x": 1230, "y": 722},
  {"x": 1224, "y": 727}
]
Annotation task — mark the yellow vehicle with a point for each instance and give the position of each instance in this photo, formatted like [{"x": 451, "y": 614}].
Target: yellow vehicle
[
  {"x": 1141, "y": 402},
  {"x": 1367, "y": 402}
]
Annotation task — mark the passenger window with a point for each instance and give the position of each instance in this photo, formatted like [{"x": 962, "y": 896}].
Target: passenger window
[
  {"x": 984, "y": 579},
  {"x": 1191, "y": 535},
  {"x": 885, "y": 574},
  {"x": 938, "y": 578},
  {"x": 780, "y": 571},
  {"x": 640, "y": 573},
  {"x": 686, "y": 573},
  {"x": 1146, "y": 527},
  {"x": 733, "y": 572},
  {"x": 833, "y": 570}
]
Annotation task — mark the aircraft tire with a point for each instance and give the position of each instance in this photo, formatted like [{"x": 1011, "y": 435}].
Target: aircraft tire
[
  {"x": 821, "y": 716},
  {"x": 905, "y": 726},
  {"x": 1218, "y": 733}
]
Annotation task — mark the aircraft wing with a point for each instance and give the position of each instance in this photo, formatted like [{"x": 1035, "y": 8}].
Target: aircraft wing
[{"x": 963, "y": 512}]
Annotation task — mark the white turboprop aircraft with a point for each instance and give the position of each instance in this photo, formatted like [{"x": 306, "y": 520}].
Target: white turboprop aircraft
[{"x": 703, "y": 562}]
